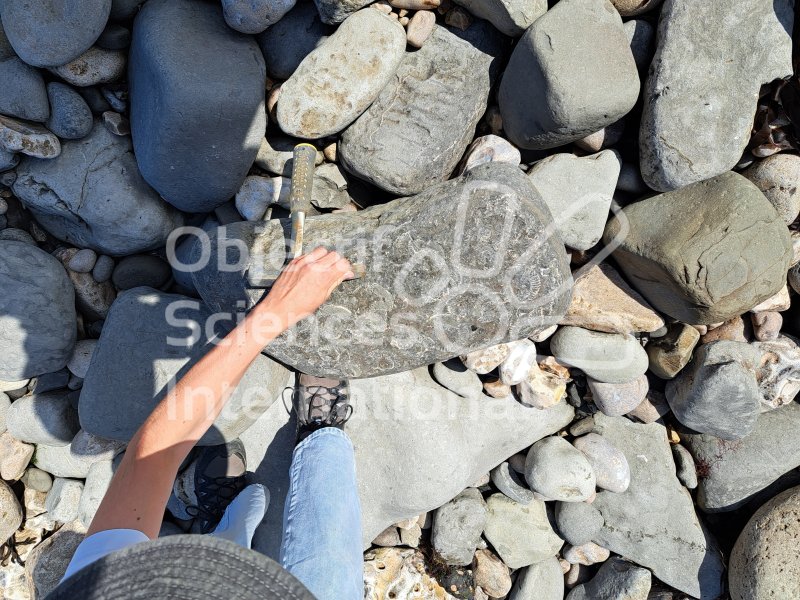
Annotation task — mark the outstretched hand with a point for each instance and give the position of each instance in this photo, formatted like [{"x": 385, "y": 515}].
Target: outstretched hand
[{"x": 306, "y": 283}]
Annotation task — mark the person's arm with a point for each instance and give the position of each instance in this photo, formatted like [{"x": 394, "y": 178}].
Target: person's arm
[{"x": 140, "y": 488}]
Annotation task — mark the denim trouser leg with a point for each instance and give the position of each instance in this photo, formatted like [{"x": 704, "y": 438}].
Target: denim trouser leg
[{"x": 322, "y": 518}]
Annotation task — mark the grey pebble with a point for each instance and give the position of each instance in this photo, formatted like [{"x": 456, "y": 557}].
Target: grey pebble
[
  {"x": 686, "y": 469},
  {"x": 511, "y": 483},
  {"x": 83, "y": 261},
  {"x": 103, "y": 268},
  {"x": 578, "y": 522},
  {"x": 142, "y": 270}
]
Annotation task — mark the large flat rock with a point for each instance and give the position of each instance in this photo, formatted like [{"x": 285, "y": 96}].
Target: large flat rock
[
  {"x": 704, "y": 253},
  {"x": 417, "y": 446},
  {"x": 143, "y": 351},
  {"x": 196, "y": 101},
  {"x": 694, "y": 125},
  {"x": 37, "y": 312},
  {"x": 93, "y": 196},
  {"x": 414, "y": 134},
  {"x": 653, "y": 523},
  {"x": 733, "y": 471},
  {"x": 466, "y": 264}
]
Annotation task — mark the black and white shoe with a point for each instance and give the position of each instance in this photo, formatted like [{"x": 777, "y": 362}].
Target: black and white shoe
[
  {"x": 219, "y": 476},
  {"x": 319, "y": 402}
]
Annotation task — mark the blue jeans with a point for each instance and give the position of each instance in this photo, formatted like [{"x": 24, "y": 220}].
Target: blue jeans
[
  {"x": 321, "y": 521},
  {"x": 322, "y": 518}
]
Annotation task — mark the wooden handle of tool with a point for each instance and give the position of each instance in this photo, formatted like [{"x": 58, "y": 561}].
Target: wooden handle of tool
[{"x": 304, "y": 157}]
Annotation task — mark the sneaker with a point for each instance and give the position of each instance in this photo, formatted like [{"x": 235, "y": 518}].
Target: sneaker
[
  {"x": 319, "y": 402},
  {"x": 219, "y": 475}
]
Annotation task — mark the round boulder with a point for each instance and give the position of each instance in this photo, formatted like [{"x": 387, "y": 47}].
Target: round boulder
[
  {"x": 764, "y": 563},
  {"x": 49, "y": 33},
  {"x": 37, "y": 312}
]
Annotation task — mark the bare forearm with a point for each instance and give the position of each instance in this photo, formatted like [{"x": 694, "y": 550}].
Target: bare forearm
[{"x": 165, "y": 439}]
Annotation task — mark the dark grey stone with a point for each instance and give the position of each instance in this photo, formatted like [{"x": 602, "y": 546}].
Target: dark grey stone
[
  {"x": 37, "y": 332},
  {"x": 94, "y": 98},
  {"x": 6, "y": 51},
  {"x": 114, "y": 37},
  {"x": 48, "y": 382},
  {"x": 578, "y": 522},
  {"x": 617, "y": 579},
  {"x": 22, "y": 91},
  {"x": 196, "y": 101},
  {"x": 571, "y": 74},
  {"x": 684, "y": 463},
  {"x": 70, "y": 116},
  {"x": 441, "y": 253},
  {"x": 49, "y": 33},
  {"x": 291, "y": 39},
  {"x": 134, "y": 365},
  {"x": 717, "y": 393},
  {"x": 511, "y": 483},
  {"x": 694, "y": 126},
  {"x": 641, "y": 35},
  {"x": 123, "y": 10},
  {"x": 254, "y": 16},
  {"x": 704, "y": 253},
  {"x": 656, "y": 529},
  {"x": 457, "y": 527},
  {"x": 92, "y": 195},
  {"x": 144, "y": 270},
  {"x": 43, "y": 419},
  {"x": 731, "y": 472},
  {"x": 413, "y": 135},
  {"x": 336, "y": 11}
]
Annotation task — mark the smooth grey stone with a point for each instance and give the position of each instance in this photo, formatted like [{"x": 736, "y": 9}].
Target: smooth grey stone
[
  {"x": 511, "y": 17},
  {"x": 183, "y": 261},
  {"x": 557, "y": 470},
  {"x": 8, "y": 160},
  {"x": 695, "y": 127},
  {"x": 541, "y": 581},
  {"x": 49, "y": 33},
  {"x": 70, "y": 116},
  {"x": 334, "y": 85},
  {"x": 415, "y": 257},
  {"x": 457, "y": 527},
  {"x": 116, "y": 97},
  {"x": 48, "y": 382},
  {"x": 617, "y": 399},
  {"x": 520, "y": 533},
  {"x": 617, "y": 579},
  {"x": 22, "y": 91},
  {"x": 47, "y": 418},
  {"x": 10, "y": 512},
  {"x": 286, "y": 43},
  {"x": 95, "y": 66},
  {"x": 776, "y": 177},
  {"x": 764, "y": 562},
  {"x": 460, "y": 381},
  {"x": 254, "y": 16},
  {"x": 336, "y": 11},
  {"x": 75, "y": 459},
  {"x": 95, "y": 487},
  {"x": 114, "y": 37},
  {"x": 27, "y": 138},
  {"x": 709, "y": 274},
  {"x": 17, "y": 235},
  {"x": 413, "y": 135},
  {"x": 717, "y": 393},
  {"x": 6, "y": 51},
  {"x": 511, "y": 484},
  {"x": 732, "y": 472},
  {"x": 641, "y": 36},
  {"x": 93, "y": 196},
  {"x": 37, "y": 480},
  {"x": 95, "y": 100},
  {"x": 606, "y": 357},
  {"x": 578, "y": 191},
  {"x": 684, "y": 463},
  {"x": 127, "y": 380},
  {"x": 578, "y": 522},
  {"x": 38, "y": 330},
  {"x": 609, "y": 464},
  {"x": 179, "y": 87},
  {"x": 103, "y": 269},
  {"x": 83, "y": 261},
  {"x": 144, "y": 270},
  {"x": 63, "y": 499},
  {"x": 123, "y": 10},
  {"x": 423, "y": 462},
  {"x": 571, "y": 74},
  {"x": 659, "y": 531}
]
